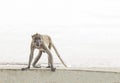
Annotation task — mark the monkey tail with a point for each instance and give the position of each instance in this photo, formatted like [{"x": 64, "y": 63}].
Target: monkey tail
[{"x": 59, "y": 55}]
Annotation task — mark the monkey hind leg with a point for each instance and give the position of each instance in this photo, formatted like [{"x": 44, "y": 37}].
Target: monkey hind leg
[{"x": 36, "y": 60}]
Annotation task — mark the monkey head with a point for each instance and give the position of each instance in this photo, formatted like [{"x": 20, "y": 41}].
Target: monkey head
[{"x": 36, "y": 40}]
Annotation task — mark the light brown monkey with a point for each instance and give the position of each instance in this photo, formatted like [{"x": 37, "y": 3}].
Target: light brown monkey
[{"x": 43, "y": 43}]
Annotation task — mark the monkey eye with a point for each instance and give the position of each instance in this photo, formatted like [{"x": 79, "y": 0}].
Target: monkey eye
[{"x": 38, "y": 38}]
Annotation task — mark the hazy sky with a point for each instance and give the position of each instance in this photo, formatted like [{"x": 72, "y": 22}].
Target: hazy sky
[
  {"x": 86, "y": 32},
  {"x": 59, "y": 12}
]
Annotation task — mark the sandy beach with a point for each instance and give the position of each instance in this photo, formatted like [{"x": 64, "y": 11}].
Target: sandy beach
[{"x": 13, "y": 74}]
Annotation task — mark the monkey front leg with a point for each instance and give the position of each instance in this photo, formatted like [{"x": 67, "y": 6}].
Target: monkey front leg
[
  {"x": 30, "y": 60},
  {"x": 50, "y": 60}
]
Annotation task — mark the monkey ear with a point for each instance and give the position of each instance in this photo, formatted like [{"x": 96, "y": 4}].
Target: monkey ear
[
  {"x": 32, "y": 36},
  {"x": 37, "y": 34}
]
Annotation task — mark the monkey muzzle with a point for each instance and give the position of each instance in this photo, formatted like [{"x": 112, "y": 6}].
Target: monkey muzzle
[{"x": 37, "y": 44}]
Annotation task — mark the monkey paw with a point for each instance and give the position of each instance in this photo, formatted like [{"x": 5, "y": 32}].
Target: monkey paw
[
  {"x": 48, "y": 67},
  {"x": 53, "y": 69},
  {"x": 25, "y": 68},
  {"x": 36, "y": 66}
]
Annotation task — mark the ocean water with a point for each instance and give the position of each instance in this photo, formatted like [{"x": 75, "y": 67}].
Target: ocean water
[{"x": 79, "y": 46}]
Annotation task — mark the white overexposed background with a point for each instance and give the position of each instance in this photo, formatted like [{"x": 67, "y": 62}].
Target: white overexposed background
[{"x": 85, "y": 32}]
